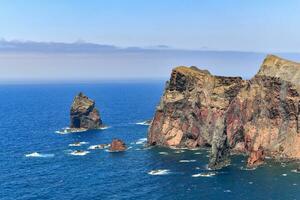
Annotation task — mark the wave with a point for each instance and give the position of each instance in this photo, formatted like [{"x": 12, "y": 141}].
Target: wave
[
  {"x": 39, "y": 155},
  {"x": 163, "y": 153},
  {"x": 79, "y": 153},
  {"x": 77, "y": 144},
  {"x": 227, "y": 191},
  {"x": 247, "y": 168},
  {"x": 186, "y": 161},
  {"x": 197, "y": 153},
  {"x": 144, "y": 123},
  {"x": 68, "y": 130},
  {"x": 99, "y": 146},
  {"x": 141, "y": 141},
  {"x": 179, "y": 151},
  {"x": 204, "y": 174},
  {"x": 283, "y": 174},
  {"x": 158, "y": 172},
  {"x": 295, "y": 171},
  {"x": 104, "y": 127}
]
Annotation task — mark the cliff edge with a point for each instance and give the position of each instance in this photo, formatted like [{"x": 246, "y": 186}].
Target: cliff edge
[{"x": 257, "y": 117}]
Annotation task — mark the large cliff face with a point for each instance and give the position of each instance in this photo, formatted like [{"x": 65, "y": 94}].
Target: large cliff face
[
  {"x": 192, "y": 108},
  {"x": 257, "y": 117}
]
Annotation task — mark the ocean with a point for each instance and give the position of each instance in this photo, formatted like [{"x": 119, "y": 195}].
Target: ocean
[{"x": 36, "y": 161}]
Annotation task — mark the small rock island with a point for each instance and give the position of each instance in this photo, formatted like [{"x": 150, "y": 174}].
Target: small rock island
[
  {"x": 84, "y": 115},
  {"x": 257, "y": 117}
]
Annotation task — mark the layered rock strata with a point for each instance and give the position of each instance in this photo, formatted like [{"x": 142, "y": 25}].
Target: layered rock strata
[
  {"x": 257, "y": 117},
  {"x": 84, "y": 114}
]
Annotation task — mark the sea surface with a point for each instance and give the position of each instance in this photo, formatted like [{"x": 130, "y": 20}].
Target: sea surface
[{"x": 36, "y": 161}]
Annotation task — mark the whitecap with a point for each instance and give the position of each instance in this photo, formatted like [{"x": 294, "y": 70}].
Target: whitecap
[
  {"x": 77, "y": 144},
  {"x": 284, "y": 174},
  {"x": 141, "y": 141},
  {"x": 197, "y": 153},
  {"x": 68, "y": 130},
  {"x": 79, "y": 153},
  {"x": 163, "y": 153},
  {"x": 99, "y": 146},
  {"x": 247, "y": 168},
  {"x": 104, "y": 127},
  {"x": 36, "y": 154},
  {"x": 227, "y": 191},
  {"x": 295, "y": 170},
  {"x": 159, "y": 172},
  {"x": 187, "y": 161},
  {"x": 144, "y": 123},
  {"x": 179, "y": 151},
  {"x": 204, "y": 174},
  {"x": 250, "y": 182}
]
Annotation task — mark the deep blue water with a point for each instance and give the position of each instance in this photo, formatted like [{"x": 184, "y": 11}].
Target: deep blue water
[{"x": 30, "y": 115}]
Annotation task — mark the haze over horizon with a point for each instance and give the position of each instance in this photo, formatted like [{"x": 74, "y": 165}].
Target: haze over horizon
[{"x": 106, "y": 40}]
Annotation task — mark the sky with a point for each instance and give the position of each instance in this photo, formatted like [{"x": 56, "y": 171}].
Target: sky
[{"x": 178, "y": 27}]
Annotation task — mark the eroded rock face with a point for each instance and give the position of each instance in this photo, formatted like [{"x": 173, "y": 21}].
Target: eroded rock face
[
  {"x": 257, "y": 117},
  {"x": 192, "y": 108},
  {"x": 117, "y": 145},
  {"x": 83, "y": 113}
]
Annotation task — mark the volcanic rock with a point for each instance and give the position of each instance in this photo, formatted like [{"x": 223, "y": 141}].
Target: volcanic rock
[
  {"x": 117, "y": 145},
  {"x": 231, "y": 115},
  {"x": 83, "y": 113}
]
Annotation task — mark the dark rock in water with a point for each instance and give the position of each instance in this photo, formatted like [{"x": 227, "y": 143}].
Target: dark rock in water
[
  {"x": 83, "y": 113},
  {"x": 117, "y": 145},
  {"x": 257, "y": 117}
]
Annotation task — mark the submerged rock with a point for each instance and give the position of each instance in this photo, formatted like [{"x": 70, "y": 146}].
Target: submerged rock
[
  {"x": 117, "y": 145},
  {"x": 256, "y": 117},
  {"x": 83, "y": 113}
]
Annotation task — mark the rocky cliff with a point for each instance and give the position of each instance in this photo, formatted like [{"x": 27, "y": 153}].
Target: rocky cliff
[
  {"x": 83, "y": 113},
  {"x": 257, "y": 117}
]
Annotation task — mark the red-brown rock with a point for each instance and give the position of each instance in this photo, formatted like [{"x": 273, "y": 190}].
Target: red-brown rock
[
  {"x": 117, "y": 145},
  {"x": 229, "y": 114}
]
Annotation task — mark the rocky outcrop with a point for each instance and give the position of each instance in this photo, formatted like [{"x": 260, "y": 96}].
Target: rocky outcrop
[
  {"x": 117, "y": 145},
  {"x": 257, "y": 117},
  {"x": 83, "y": 113}
]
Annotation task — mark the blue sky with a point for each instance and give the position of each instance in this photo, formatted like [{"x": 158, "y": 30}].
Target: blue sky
[
  {"x": 38, "y": 37},
  {"x": 256, "y": 25}
]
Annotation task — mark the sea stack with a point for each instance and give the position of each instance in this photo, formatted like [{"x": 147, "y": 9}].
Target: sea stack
[
  {"x": 84, "y": 114},
  {"x": 117, "y": 145},
  {"x": 258, "y": 117}
]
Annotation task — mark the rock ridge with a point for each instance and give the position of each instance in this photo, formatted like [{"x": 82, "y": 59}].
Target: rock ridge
[{"x": 257, "y": 117}]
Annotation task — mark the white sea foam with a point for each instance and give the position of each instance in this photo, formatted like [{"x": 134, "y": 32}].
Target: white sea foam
[
  {"x": 159, "y": 172},
  {"x": 77, "y": 144},
  {"x": 187, "y": 161},
  {"x": 163, "y": 153},
  {"x": 198, "y": 153},
  {"x": 295, "y": 170},
  {"x": 247, "y": 168},
  {"x": 284, "y": 174},
  {"x": 227, "y": 191},
  {"x": 104, "y": 127},
  {"x": 179, "y": 151},
  {"x": 144, "y": 123},
  {"x": 99, "y": 146},
  {"x": 141, "y": 141},
  {"x": 204, "y": 174},
  {"x": 79, "y": 153},
  {"x": 36, "y": 154},
  {"x": 68, "y": 130}
]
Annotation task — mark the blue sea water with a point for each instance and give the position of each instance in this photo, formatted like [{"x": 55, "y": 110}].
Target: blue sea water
[{"x": 30, "y": 115}]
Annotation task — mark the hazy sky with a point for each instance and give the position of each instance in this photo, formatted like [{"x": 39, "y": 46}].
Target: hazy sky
[
  {"x": 254, "y": 25},
  {"x": 50, "y": 40}
]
